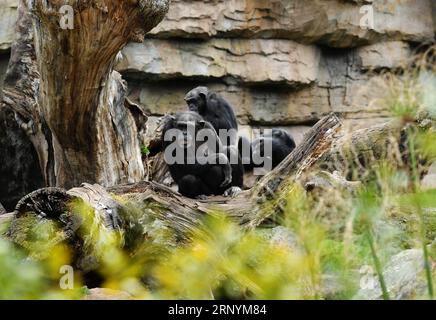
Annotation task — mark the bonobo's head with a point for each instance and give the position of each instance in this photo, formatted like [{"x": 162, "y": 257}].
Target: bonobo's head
[
  {"x": 186, "y": 125},
  {"x": 196, "y": 99},
  {"x": 284, "y": 137},
  {"x": 273, "y": 145}
]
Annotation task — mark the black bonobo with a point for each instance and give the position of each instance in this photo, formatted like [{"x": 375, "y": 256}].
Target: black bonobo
[
  {"x": 281, "y": 145},
  {"x": 198, "y": 162},
  {"x": 216, "y": 110},
  {"x": 244, "y": 149}
]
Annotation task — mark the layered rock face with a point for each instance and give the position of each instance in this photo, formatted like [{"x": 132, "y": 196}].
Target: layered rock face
[
  {"x": 336, "y": 23},
  {"x": 8, "y": 16},
  {"x": 282, "y": 63}
]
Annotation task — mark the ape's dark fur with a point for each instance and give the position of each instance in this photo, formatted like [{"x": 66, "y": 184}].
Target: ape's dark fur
[
  {"x": 246, "y": 153},
  {"x": 197, "y": 179},
  {"x": 282, "y": 146},
  {"x": 213, "y": 108}
]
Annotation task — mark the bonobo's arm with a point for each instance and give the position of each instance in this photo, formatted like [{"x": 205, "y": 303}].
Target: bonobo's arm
[
  {"x": 218, "y": 158},
  {"x": 222, "y": 160}
]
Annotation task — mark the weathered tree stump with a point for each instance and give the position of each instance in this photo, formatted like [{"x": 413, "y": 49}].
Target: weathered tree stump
[{"x": 64, "y": 116}]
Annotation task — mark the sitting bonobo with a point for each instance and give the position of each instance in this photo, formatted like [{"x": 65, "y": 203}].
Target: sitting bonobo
[
  {"x": 216, "y": 110},
  {"x": 272, "y": 147},
  {"x": 198, "y": 162}
]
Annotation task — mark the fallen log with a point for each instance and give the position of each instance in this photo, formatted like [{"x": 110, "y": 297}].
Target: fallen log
[
  {"x": 181, "y": 214},
  {"x": 325, "y": 148},
  {"x": 352, "y": 153}
]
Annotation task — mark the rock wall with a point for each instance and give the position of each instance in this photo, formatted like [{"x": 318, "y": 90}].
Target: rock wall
[
  {"x": 279, "y": 62},
  {"x": 8, "y": 16}
]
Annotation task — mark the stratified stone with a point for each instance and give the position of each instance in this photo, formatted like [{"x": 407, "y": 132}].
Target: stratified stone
[
  {"x": 250, "y": 61},
  {"x": 8, "y": 17},
  {"x": 389, "y": 55},
  {"x": 335, "y": 23},
  {"x": 253, "y": 105},
  {"x": 341, "y": 86},
  {"x": 332, "y": 22}
]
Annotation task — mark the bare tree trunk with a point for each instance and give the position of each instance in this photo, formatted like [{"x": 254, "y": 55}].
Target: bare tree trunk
[
  {"x": 63, "y": 94},
  {"x": 24, "y": 149}
]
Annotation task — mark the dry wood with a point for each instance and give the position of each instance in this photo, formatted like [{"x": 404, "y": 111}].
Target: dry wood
[
  {"x": 352, "y": 153},
  {"x": 320, "y": 147}
]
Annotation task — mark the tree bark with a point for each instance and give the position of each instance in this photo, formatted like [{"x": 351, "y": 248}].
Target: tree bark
[
  {"x": 63, "y": 104},
  {"x": 353, "y": 153},
  {"x": 24, "y": 149}
]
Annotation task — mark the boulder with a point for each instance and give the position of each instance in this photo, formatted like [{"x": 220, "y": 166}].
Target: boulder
[
  {"x": 429, "y": 180},
  {"x": 403, "y": 276},
  {"x": 281, "y": 236}
]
